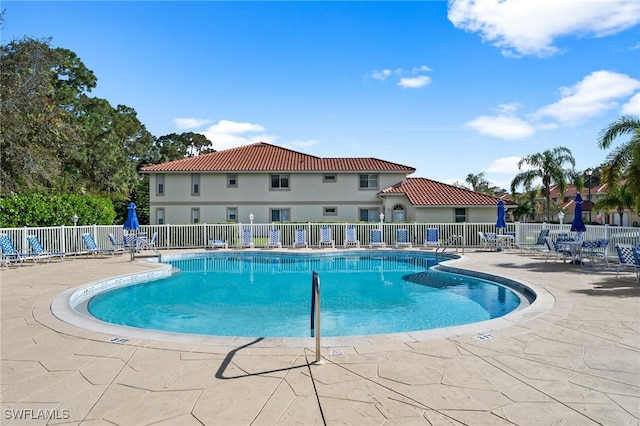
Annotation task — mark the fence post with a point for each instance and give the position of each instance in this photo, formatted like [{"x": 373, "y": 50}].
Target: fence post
[{"x": 24, "y": 240}]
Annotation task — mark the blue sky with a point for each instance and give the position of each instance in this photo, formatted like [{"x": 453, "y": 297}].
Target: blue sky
[{"x": 449, "y": 88}]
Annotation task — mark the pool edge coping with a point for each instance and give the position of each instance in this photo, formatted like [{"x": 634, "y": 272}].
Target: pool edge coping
[{"x": 64, "y": 318}]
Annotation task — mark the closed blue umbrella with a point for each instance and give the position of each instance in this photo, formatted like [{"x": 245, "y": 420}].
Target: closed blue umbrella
[
  {"x": 578, "y": 225},
  {"x": 132, "y": 223},
  {"x": 501, "y": 224}
]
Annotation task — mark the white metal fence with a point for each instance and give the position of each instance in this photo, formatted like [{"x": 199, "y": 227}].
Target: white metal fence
[{"x": 68, "y": 239}]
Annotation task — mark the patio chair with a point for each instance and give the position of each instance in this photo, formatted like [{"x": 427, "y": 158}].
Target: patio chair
[
  {"x": 274, "y": 239},
  {"x": 402, "y": 238},
  {"x": 38, "y": 250},
  {"x": 350, "y": 237},
  {"x": 9, "y": 252},
  {"x": 488, "y": 240},
  {"x": 247, "y": 238},
  {"x": 214, "y": 244},
  {"x": 539, "y": 245},
  {"x": 148, "y": 244},
  {"x": 375, "y": 239},
  {"x": 326, "y": 238},
  {"x": 300, "y": 239},
  {"x": 557, "y": 248},
  {"x": 92, "y": 247},
  {"x": 628, "y": 258},
  {"x": 118, "y": 246},
  {"x": 595, "y": 249},
  {"x": 433, "y": 238}
]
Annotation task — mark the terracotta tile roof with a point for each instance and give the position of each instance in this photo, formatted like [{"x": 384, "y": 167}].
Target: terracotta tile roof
[
  {"x": 261, "y": 157},
  {"x": 427, "y": 192},
  {"x": 570, "y": 192}
]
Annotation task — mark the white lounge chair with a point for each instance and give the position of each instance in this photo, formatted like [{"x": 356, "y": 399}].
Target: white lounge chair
[
  {"x": 539, "y": 245},
  {"x": 350, "y": 237},
  {"x": 433, "y": 238},
  {"x": 300, "y": 239},
  {"x": 247, "y": 238},
  {"x": 38, "y": 250},
  {"x": 326, "y": 238},
  {"x": 9, "y": 252},
  {"x": 214, "y": 244},
  {"x": 92, "y": 247},
  {"x": 274, "y": 239},
  {"x": 402, "y": 238},
  {"x": 375, "y": 239}
]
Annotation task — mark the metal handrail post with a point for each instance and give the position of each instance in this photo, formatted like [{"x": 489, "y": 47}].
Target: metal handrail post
[{"x": 315, "y": 313}]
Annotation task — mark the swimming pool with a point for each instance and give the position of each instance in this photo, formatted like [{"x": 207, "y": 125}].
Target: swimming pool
[{"x": 267, "y": 294}]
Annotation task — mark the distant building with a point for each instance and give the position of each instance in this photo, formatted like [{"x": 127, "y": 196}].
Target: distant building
[
  {"x": 276, "y": 184},
  {"x": 566, "y": 203}
]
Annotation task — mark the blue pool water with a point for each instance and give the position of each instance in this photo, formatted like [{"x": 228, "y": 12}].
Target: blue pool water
[{"x": 268, "y": 295}]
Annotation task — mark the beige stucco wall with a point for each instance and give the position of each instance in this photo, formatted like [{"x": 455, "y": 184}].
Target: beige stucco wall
[{"x": 306, "y": 197}]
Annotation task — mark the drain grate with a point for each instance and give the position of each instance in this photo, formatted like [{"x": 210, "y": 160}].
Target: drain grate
[{"x": 484, "y": 337}]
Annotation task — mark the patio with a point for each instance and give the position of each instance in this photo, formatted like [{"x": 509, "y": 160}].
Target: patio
[{"x": 574, "y": 360}]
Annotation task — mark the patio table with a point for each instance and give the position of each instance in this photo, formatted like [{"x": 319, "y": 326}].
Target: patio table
[
  {"x": 574, "y": 247},
  {"x": 504, "y": 241}
]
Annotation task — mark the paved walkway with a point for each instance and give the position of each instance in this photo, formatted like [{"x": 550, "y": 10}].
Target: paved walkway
[{"x": 575, "y": 361}]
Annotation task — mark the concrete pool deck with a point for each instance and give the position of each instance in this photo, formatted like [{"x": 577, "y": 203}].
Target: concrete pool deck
[{"x": 574, "y": 360}]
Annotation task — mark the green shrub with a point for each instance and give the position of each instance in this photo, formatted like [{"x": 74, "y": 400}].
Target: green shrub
[{"x": 53, "y": 210}]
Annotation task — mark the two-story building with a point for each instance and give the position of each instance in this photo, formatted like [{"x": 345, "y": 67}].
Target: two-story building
[{"x": 276, "y": 184}]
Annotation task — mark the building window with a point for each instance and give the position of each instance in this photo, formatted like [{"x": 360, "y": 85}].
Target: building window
[
  {"x": 460, "y": 215},
  {"x": 279, "y": 181},
  {"x": 398, "y": 213},
  {"x": 195, "y": 184},
  {"x": 160, "y": 216},
  {"x": 280, "y": 215},
  {"x": 195, "y": 215},
  {"x": 329, "y": 178},
  {"x": 369, "y": 215},
  {"x": 232, "y": 180},
  {"x": 159, "y": 184},
  {"x": 369, "y": 181},
  {"x": 330, "y": 211},
  {"x": 232, "y": 214}
]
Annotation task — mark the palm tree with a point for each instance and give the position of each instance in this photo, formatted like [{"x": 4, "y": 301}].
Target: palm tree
[
  {"x": 478, "y": 182},
  {"x": 527, "y": 205},
  {"x": 548, "y": 167},
  {"x": 619, "y": 198},
  {"x": 625, "y": 159}
]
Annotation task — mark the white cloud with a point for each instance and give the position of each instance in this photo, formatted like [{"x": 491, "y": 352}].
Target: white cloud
[
  {"x": 234, "y": 127},
  {"x": 633, "y": 106},
  {"x": 503, "y": 165},
  {"x": 501, "y": 126},
  {"x": 595, "y": 94},
  {"x": 422, "y": 68},
  {"x": 508, "y": 108},
  {"x": 414, "y": 82},
  {"x": 190, "y": 123},
  {"x": 381, "y": 75},
  {"x": 231, "y": 134},
  {"x": 529, "y": 27}
]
